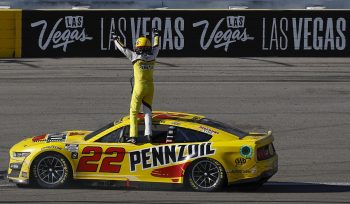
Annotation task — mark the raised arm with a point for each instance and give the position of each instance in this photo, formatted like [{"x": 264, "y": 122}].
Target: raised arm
[
  {"x": 127, "y": 52},
  {"x": 156, "y": 46}
]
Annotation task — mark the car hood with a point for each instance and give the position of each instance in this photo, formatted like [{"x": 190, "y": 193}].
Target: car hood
[{"x": 72, "y": 136}]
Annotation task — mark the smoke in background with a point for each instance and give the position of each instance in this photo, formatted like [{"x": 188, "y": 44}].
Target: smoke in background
[{"x": 175, "y": 4}]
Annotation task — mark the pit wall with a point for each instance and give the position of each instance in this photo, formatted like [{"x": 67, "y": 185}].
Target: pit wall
[
  {"x": 184, "y": 33},
  {"x": 10, "y": 33}
]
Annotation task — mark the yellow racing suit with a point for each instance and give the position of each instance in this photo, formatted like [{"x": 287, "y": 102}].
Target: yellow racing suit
[{"x": 143, "y": 84}]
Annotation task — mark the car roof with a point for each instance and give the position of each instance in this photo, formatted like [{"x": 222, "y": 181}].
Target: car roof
[{"x": 166, "y": 115}]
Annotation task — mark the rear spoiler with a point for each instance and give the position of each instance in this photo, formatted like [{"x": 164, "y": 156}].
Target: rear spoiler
[
  {"x": 265, "y": 138},
  {"x": 269, "y": 133}
]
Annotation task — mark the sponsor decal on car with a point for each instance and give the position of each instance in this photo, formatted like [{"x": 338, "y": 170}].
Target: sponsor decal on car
[
  {"x": 164, "y": 155},
  {"x": 208, "y": 130},
  {"x": 251, "y": 170},
  {"x": 56, "y": 137},
  {"x": 51, "y": 147},
  {"x": 239, "y": 171},
  {"x": 74, "y": 155},
  {"x": 196, "y": 118},
  {"x": 175, "y": 123},
  {"x": 39, "y": 138},
  {"x": 240, "y": 161},
  {"x": 72, "y": 147},
  {"x": 246, "y": 151},
  {"x": 76, "y": 133},
  {"x": 170, "y": 171}
]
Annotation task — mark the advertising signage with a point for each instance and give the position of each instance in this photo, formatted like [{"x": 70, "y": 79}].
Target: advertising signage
[{"x": 188, "y": 33}]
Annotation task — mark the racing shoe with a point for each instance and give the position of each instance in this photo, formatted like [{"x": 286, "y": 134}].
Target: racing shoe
[
  {"x": 132, "y": 140},
  {"x": 148, "y": 138}
]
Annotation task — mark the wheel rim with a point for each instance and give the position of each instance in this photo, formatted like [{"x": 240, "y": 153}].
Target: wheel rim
[
  {"x": 205, "y": 174},
  {"x": 50, "y": 170}
]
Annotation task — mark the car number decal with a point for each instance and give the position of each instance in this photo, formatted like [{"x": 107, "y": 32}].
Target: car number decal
[{"x": 84, "y": 164}]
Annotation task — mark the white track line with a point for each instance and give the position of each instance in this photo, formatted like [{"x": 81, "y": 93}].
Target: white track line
[
  {"x": 307, "y": 183},
  {"x": 7, "y": 185}
]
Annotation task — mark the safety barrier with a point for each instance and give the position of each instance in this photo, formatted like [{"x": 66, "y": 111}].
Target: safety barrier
[{"x": 10, "y": 33}]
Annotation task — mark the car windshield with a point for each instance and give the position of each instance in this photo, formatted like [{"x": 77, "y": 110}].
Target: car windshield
[
  {"x": 89, "y": 136},
  {"x": 223, "y": 127}
]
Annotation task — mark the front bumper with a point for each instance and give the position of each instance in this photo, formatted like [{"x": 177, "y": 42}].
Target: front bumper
[
  {"x": 18, "y": 181},
  {"x": 18, "y": 171}
]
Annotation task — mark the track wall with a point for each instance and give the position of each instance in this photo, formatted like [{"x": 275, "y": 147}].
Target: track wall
[{"x": 10, "y": 33}]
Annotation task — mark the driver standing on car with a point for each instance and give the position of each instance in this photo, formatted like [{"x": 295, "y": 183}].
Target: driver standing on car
[{"x": 143, "y": 59}]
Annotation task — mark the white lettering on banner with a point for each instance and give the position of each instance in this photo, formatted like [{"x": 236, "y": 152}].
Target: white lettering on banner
[
  {"x": 74, "y": 21},
  {"x": 278, "y": 38},
  {"x": 62, "y": 38},
  {"x": 121, "y": 27},
  {"x": 171, "y": 29},
  {"x": 235, "y": 32},
  {"x": 179, "y": 38},
  {"x": 308, "y": 33},
  {"x": 101, "y": 24},
  {"x": 168, "y": 35}
]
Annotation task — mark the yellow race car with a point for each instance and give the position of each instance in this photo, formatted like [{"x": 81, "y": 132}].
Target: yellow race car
[{"x": 185, "y": 148}]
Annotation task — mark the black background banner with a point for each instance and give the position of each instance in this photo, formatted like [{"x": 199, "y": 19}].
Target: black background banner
[{"x": 188, "y": 33}]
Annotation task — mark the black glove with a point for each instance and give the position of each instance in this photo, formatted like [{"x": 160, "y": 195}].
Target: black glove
[
  {"x": 115, "y": 36},
  {"x": 155, "y": 31}
]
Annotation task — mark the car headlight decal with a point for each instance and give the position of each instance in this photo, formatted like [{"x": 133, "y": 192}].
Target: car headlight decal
[
  {"x": 16, "y": 166},
  {"x": 20, "y": 154}
]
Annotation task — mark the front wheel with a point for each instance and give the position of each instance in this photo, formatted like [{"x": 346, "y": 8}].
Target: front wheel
[
  {"x": 51, "y": 171},
  {"x": 206, "y": 175}
]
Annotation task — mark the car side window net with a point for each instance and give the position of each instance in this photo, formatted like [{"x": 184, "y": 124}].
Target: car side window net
[
  {"x": 159, "y": 133},
  {"x": 187, "y": 135},
  {"x": 89, "y": 136},
  {"x": 111, "y": 137},
  {"x": 223, "y": 127}
]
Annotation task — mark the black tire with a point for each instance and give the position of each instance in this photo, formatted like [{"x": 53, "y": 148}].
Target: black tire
[
  {"x": 51, "y": 170},
  {"x": 205, "y": 175}
]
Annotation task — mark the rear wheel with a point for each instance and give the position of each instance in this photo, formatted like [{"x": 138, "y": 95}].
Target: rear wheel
[
  {"x": 205, "y": 175},
  {"x": 51, "y": 171}
]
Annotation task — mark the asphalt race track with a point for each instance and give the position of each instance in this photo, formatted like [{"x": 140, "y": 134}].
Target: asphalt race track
[{"x": 305, "y": 101}]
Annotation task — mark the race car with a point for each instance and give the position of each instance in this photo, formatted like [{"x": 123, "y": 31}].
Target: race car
[{"x": 188, "y": 149}]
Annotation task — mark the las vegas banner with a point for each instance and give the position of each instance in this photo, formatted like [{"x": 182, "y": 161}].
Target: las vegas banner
[{"x": 187, "y": 33}]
